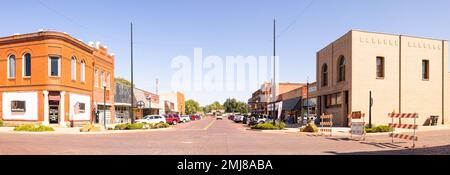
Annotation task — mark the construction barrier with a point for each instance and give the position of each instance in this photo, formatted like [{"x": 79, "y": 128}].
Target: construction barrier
[
  {"x": 357, "y": 124},
  {"x": 414, "y": 126},
  {"x": 326, "y": 124}
]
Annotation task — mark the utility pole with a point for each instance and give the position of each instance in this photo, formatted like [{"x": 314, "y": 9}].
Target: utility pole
[
  {"x": 132, "y": 82},
  {"x": 370, "y": 109},
  {"x": 274, "y": 62}
]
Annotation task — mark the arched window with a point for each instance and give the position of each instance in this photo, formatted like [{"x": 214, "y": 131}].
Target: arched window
[
  {"x": 341, "y": 69},
  {"x": 83, "y": 71},
  {"x": 324, "y": 75},
  {"x": 27, "y": 65},
  {"x": 12, "y": 66},
  {"x": 74, "y": 68}
]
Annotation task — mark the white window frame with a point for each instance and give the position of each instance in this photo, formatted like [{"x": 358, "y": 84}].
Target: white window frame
[
  {"x": 50, "y": 66},
  {"x": 8, "y": 66},
  {"x": 23, "y": 65},
  {"x": 83, "y": 71},
  {"x": 102, "y": 79},
  {"x": 73, "y": 68},
  {"x": 96, "y": 78},
  {"x": 108, "y": 79}
]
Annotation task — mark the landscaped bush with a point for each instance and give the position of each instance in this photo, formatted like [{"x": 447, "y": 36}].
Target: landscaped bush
[
  {"x": 310, "y": 127},
  {"x": 270, "y": 126},
  {"x": 33, "y": 128},
  {"x": 135, "y": 126},
  {"x": 129, "y": 126},
  {"x": 90, "y": 128},
  {"x": 381, "y": 128},
  {"x": 1, "y": 123},
  {"x": 162, "y": 125},
  {"x": 120, "y": 127}
]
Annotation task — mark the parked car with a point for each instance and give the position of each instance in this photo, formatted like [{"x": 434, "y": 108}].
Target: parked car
[
  {"x": 238, "y": 118},
  {"x": 252, "y": 120},
  {"x": 172, "y": 119},
  {"x": 152, "y": 119},
  {"x": 185, "y": 118},
  {"x": 244, "y": 119},
  {"x": 231, "y": 117},
  {"x": 195, "y": 117}
]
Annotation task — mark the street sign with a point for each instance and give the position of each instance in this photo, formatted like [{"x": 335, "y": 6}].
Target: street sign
[{"x": 357, "y": 128}]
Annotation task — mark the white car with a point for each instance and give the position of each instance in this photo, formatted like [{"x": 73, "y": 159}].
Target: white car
[
  {"x": 152, "y": 119},
  {"x": 185, "y": 118},
  {"x": 219, "y": 117}
]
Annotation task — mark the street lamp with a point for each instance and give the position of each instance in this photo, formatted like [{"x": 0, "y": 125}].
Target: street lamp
[{"x": 104, "y": 105}]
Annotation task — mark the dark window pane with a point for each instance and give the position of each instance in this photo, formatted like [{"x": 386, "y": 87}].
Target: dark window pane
[
  {"x": 54, "y": 66},
  {"x": 27, "y": 65}
]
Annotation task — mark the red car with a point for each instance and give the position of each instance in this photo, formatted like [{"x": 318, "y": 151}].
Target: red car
[
  {"x": 194, "y": 117},
  {"x": 172, "y": 119}
]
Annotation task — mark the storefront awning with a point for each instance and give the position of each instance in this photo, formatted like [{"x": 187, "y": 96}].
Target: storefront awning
[{"x": 291, "y": 104}]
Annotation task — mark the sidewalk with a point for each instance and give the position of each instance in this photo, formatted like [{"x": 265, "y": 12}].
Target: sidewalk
[
  {"x": 76, "y": 130},
  {"x": 344, "y": 131}
]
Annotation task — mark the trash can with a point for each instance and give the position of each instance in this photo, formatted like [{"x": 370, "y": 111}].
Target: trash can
[{"x": 434, "y": 120}]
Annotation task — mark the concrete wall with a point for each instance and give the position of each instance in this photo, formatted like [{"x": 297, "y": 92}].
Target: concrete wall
[
  {"x": 330, "y": 56},
  {"x": 77, "y": 98},
  {"x": 402, "y": 89},
  {"x": 385, "y": 91},
  {"x": 31, "y": 106}
]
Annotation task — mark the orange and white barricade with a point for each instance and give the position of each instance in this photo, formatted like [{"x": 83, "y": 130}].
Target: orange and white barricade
[
  {"x": 357, "y": 124},
  {"x": 326, "y": 124},
  {"x": 413, "y": 127}
]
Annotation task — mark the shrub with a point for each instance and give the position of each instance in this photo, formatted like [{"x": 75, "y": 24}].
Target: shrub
[
  {"x": 120, "y": 127},
  {"x": 90, "y": 128},
  {"x": 1, "y": 123},
  {"x": 310, "y": 127},
  {"x": 135, "y": 126},
  {"x": 161, "y": 125},
  {"x": 33, "y": 128},
  {"x": 381, "y": 128},
  {"x": 270, "y": 126}
]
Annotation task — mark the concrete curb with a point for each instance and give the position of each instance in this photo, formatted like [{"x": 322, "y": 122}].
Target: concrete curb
[{"x": 9, "y": 130}]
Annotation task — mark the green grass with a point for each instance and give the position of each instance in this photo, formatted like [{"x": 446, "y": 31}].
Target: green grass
[{"x": 33, "y": 128}]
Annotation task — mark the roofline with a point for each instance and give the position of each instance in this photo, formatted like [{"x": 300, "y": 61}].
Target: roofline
[
  {"x": 42, "y": 35},
  {"x": 384, "y": 33}
]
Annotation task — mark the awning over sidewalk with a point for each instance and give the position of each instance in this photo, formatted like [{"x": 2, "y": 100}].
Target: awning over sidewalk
[{"x": 291, "y": 104}]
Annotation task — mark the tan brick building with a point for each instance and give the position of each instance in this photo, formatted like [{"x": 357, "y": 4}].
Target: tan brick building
[{"x": 405, "y": 74}]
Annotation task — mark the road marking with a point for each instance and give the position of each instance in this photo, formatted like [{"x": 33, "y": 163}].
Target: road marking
[{"x": 209, "y": 125}]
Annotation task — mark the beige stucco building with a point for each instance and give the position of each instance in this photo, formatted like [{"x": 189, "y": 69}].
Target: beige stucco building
[{"x": 405, "y": 74}]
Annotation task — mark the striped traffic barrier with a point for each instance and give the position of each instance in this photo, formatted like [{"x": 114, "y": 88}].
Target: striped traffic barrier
[
  {"x": 326, "y": 124},
  {"x": 414, "y": 126},
  {"x": 357, "y": 124}
]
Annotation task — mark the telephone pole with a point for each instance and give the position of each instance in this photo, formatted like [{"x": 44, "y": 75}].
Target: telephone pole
[
  {"x": 274, "y": 80},
  {"x": 132, "y": 82}
]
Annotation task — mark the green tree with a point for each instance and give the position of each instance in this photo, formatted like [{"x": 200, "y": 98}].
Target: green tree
[
  {"x": 230, "y": 105},
  {"x": 214, "y": 106},
  {"x": 192, "y": 107},
  {"x": 122, "y": 81}
]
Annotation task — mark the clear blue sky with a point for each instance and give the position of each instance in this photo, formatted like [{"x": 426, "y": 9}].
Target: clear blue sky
[{"x": 168, "y": 28}]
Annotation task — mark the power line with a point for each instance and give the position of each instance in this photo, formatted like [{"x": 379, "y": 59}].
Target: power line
[{"x": 302, "y": 12}]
